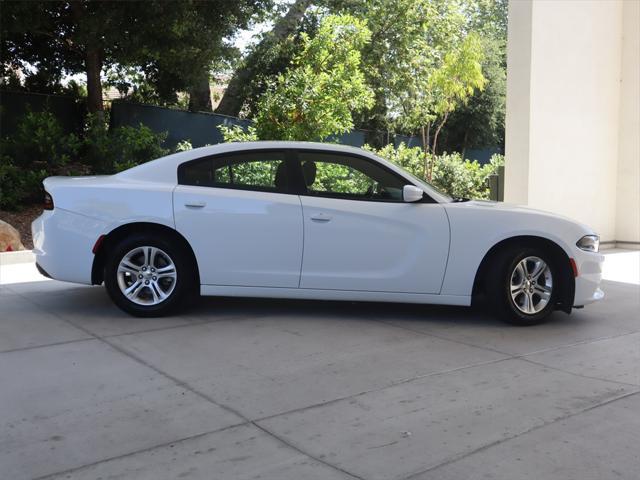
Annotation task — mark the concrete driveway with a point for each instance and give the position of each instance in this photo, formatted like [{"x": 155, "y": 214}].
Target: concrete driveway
[{"x": 239, "y": 389}]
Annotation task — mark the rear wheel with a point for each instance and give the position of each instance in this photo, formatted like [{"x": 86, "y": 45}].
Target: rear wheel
[
  {"x": 147, "y": 276},
  {"x": 524, "y": 289}
]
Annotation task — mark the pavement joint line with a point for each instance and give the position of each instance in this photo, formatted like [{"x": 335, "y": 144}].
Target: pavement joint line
[
  {"x": 581, "y": 342},
  {"x": 55, "y": 344},
  {"x": 522, "y": 356},
  {"x": 588, "y": 377},
  {"x": 210, "y": 399},
  {"x": 440, "y": 337},
  {"x": 381, "y": 388},
  {"x": 255, "y": 423},
  {"x": 202, "y": 395},
  {"x": 457, "y": 458},
  {"x": 136, "y": 452}
]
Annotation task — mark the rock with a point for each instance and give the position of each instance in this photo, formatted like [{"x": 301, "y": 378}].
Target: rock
[{"x": 9, "y": 238}]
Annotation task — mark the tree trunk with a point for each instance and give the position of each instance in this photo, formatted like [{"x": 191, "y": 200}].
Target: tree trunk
[
  {"x": 435, "y": 135},
  {"x": 93, "y": 65},
  {"x": 464, "y": 143},
  {"x": 200, "y": 94},
  {"x": 236, "y": 92},
  {"x": 425, "y": 149}
]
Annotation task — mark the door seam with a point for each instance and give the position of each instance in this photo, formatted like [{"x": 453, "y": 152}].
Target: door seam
[{"x": 303, "y": 241}]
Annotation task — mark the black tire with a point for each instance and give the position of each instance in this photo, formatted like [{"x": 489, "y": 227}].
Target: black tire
[
  {"x": 183, "y": 285},
  {"x": 500, "y": 280}
]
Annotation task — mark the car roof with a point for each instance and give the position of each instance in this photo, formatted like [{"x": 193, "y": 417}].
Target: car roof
[{"x": 164, "y": 169}]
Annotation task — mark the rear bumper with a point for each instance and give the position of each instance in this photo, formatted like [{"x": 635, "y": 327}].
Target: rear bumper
[
  {"x": 42, "y": 271},
  {"x": 589, "y": 277},
  {"x": 63, "y": 242}
]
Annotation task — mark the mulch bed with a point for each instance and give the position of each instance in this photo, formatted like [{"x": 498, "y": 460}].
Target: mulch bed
[{"x": 21, "y": 221}]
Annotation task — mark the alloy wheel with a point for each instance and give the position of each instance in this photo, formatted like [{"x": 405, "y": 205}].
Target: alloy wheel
[
  {"x": 531, "y": 285},
  {"x": 147, "y": 275}
]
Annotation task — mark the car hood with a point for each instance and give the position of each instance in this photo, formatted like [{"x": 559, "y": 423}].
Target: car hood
[{"x": 522, "y": 212}]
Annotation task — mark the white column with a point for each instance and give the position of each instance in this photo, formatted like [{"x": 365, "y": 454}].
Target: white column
[
  {"x": 628, "y": 199},
  {"x": 567, "y": 113}
]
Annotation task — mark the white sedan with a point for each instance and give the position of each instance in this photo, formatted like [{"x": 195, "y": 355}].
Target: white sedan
[{"x": 306, "y": 220}]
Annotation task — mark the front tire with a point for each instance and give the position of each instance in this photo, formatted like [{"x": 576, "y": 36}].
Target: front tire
[
  {"x": 148, "y": 276},
  {"x": 525, "y": 286}
]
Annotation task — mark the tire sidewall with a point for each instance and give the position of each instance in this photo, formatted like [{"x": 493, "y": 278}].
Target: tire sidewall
[{"x": 184, "y": 275}]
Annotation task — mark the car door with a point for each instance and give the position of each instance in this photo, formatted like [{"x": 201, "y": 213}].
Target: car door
[
  {"x": 360, "y": 235},
  {"x": 236, "y": 212}
]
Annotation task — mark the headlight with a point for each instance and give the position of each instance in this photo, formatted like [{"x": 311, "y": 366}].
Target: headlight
[{"x": 589, "y": 243}]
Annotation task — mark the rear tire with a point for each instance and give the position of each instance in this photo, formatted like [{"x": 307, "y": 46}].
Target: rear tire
[
  {"x": 524, "y": 286},
  {"x": 148, "y": 276}
]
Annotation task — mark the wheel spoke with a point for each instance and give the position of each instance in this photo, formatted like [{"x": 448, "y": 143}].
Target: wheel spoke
[
  {"x": 134, "y": 290},
  {"x": 128, "y": 267},
  {"x": 158, "y": 294},
  {"x": 543, "y": 292},
  {"x": 152, "y": 256},
  {"x": 538, "y": 269},
  {"x": 532, "y": 305},
  {"x": 167, "y": 275},
  {"x": 168, "y": 269},
  {"x": 521, "y": 268}
]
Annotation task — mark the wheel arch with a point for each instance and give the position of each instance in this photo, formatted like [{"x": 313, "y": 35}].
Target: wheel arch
[
  {"x": 117, "y": 234},
  {"x": 558, "y": 254}
]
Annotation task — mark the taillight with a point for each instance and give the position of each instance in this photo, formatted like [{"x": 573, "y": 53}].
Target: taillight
[{"x": 48, "y": 201}]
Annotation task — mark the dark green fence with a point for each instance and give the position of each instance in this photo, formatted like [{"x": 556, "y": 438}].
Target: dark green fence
[
  {"x": 199, "y": 128},
  {"x": 13, "y": 105}
]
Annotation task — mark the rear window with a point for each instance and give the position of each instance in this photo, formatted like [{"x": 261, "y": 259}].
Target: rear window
[{"x": 247, "y": 170}]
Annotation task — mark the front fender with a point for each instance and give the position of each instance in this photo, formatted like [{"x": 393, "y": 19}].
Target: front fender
[{"x": 476, "y": 228}]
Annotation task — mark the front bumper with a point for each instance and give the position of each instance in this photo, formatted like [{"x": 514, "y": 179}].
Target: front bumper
[
  {"x": 63, "y": 242},
  {"x": 589, "y": 267}
]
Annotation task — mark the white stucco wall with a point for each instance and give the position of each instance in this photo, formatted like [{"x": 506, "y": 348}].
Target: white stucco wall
[
  {"x": 570, "y": 111},
  {"x": 628, "y": 199}
]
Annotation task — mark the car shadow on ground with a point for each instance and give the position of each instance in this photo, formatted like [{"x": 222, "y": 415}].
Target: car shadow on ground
[{"x": 73, "y": 301}]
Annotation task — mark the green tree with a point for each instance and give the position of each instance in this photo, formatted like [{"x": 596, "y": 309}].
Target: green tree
[
  {"x": 174, "y": 43},
  {"x": 316, "y": 96},
  {"x": 266, "y": 59},
  {"x": 480, "y": 121}
]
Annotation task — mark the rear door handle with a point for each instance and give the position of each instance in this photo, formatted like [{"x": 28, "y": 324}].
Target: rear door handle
[
  {"x": 195, "y": 204},
  {"x": 321, "y": 217}
]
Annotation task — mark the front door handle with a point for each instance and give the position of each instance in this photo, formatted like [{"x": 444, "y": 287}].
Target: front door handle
[
  {"x": 195, "y": 204},
  {"x": 321, "y": 217}
]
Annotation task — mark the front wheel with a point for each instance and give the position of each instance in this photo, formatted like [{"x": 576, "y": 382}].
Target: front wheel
[
  {"x": 525, "y": 289},
  {"x": 147, "y": 277}
]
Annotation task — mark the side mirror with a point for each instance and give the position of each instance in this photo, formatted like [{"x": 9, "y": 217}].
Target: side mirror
[{"x": 411, "y": 193}]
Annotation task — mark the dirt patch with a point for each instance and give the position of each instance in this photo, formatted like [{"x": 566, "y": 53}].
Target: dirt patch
[{"x": 21, "y": 221}]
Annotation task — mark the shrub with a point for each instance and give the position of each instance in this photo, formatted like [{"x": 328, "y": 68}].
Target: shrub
[
  {"x": 409, "y": 158},
  {"x": 125, "y": 147},
  {"x": 497, "y": 160},
  {"x": 451, "y": 174},
  {"x": 183, "y": 146},
  {"x": 40, "y": 139},
  {"x": 460, "y": 178},
  {"x": 40, "y": 148},
  {"x": 132, "y": 146},
  {"x": 236, "y": 133},
  {"x": 18, "y": 185}
]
